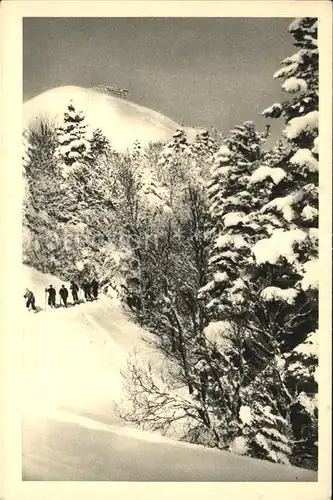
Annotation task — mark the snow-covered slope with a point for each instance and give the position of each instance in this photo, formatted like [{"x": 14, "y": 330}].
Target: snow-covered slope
[
  {"x": 71, "y": 376},
  {"x": 121, "y": 121},
  {"x": 73, "y": 356}
]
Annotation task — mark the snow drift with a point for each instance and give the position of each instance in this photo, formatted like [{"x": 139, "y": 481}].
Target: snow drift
[
  {"x": 121, "y": 121},
  {"x": 71, "y": 376}
]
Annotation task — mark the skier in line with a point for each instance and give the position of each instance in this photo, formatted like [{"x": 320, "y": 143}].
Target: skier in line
[
  {"x": 30, "y": 299},
  {"x": 75, "y": 289},
  {"x": 52, "y": 296},
  {"x": 63, "y": 292},
  {"x": 86, "y": 289},
  {"x": 94, "y": 288}
]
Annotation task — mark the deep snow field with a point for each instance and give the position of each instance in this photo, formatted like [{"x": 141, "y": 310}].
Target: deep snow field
[{"x": 71, "y": 378}]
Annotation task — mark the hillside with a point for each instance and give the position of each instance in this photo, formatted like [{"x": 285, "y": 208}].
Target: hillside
[
  {"x": 212, "y": 244},
  {"x": 122, "y": 121},
  {"x": 72, "y": 363}
]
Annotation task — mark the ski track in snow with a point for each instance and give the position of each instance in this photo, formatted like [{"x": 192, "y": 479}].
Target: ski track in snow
[{"x": 71, "y": 378}]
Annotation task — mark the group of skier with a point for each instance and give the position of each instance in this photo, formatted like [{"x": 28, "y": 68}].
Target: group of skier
[{"x": 90, "y": 290}]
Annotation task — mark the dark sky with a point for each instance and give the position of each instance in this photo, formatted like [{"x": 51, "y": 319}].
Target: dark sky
[{"x": 197, "y": 71}]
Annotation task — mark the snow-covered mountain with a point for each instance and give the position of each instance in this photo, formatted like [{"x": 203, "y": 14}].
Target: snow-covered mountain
[{"x": 122, "y": 121}]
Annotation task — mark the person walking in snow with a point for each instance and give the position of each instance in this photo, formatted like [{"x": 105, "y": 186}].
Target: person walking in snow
[
  {"x": 30, "y": 299},
  {"x": 86, "y": 289},
  {"x": 94, "y": 288},
  {"x": 74, "y": 289},
  {"x": 52, "y": 296},
  {"x": 63, "y": 292}
]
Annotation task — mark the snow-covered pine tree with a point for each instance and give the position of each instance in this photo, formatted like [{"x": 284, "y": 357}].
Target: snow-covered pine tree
[
  {"x": 85, "y": 164},
  {"x": 137, "y": 150},
  {"x": 178, "y": 145},
  {"x": 74, "y": 146},
  {"x": 99, "y": 144},
  {"x": 244, "y": 354},
  {"x": 286, "y": 259},
  {"x": 219, "y": 369},
  {"x": 204, "y": 145},
  {"x": 281, "y": 300},
  {"x": 300, "y": 72},
  {"x": 263, "y": 431},
  {"x": 230, "y": 203}
]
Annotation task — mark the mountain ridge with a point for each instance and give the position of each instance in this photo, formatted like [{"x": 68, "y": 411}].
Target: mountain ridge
[{"x": 122, "y": 121}]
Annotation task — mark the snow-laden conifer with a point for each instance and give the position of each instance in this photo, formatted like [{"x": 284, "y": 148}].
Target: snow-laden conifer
[
  {"x": 287, "y": 257},
  {"x": 230, "y": 204},
  {"x": 74, "y": 145}
]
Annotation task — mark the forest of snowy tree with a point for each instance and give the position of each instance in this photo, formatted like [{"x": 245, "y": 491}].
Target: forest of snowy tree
[{"x": 213, "y": 245}]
